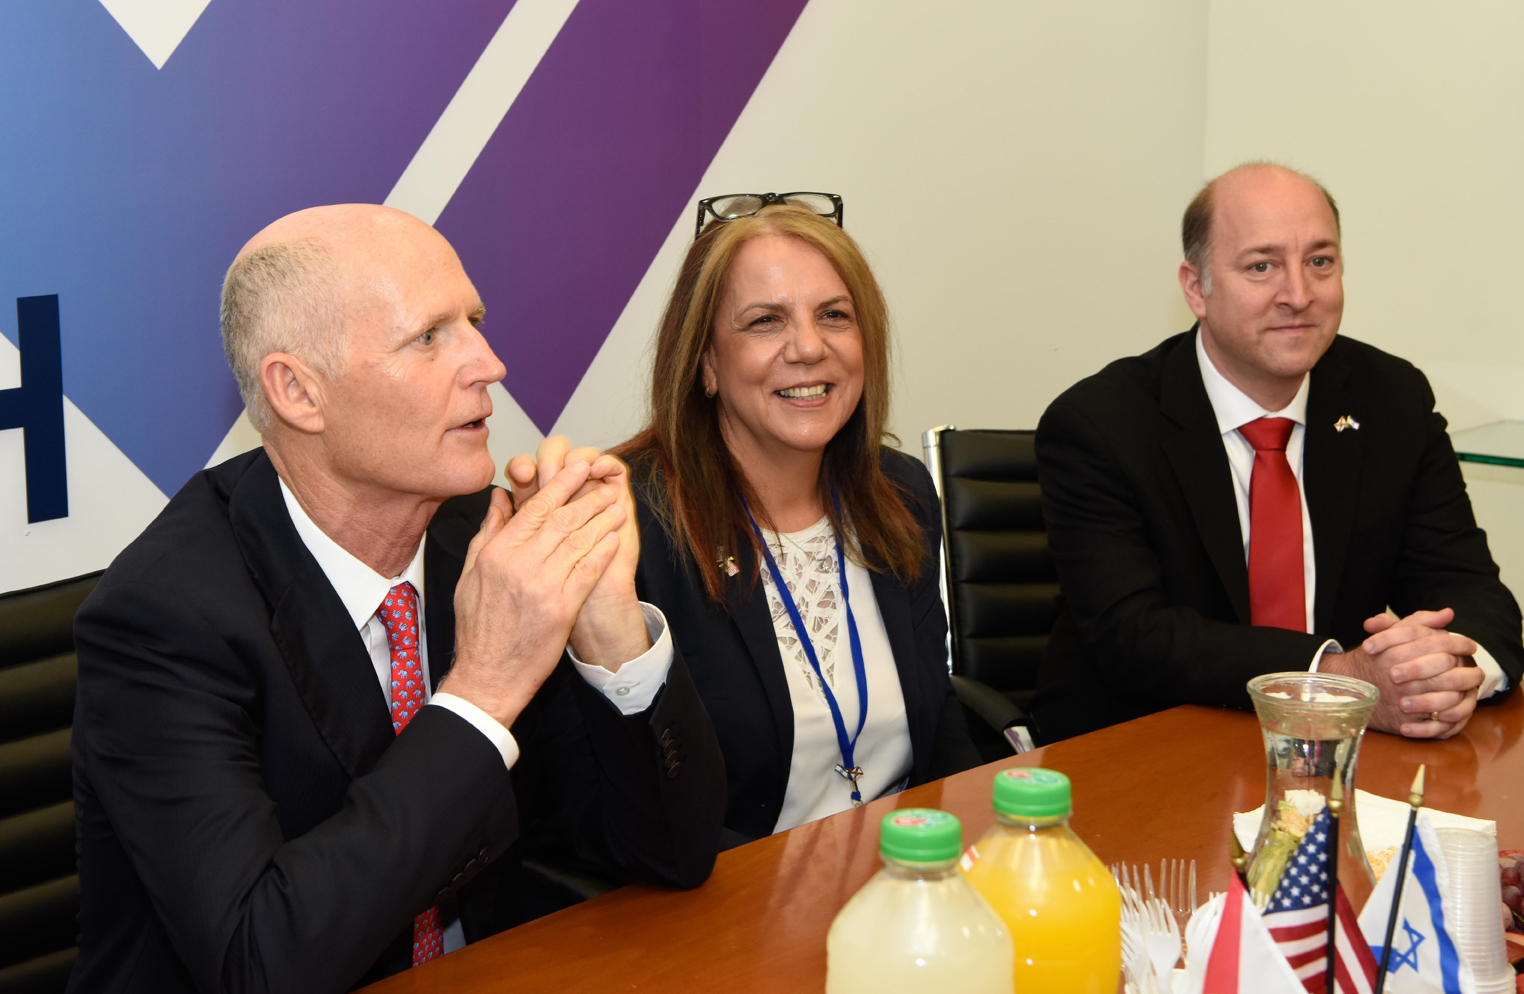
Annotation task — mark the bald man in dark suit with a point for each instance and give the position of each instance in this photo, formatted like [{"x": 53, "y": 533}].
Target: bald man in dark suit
[
  {"x": 340, "y": 687},
  {"x": 1253, "y": 495}
]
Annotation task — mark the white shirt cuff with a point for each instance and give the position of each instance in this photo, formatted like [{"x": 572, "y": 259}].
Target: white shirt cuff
[
  {"x": 634, "y": 687},
  {"x": 1317, "y": 657},
  {"x": 483, "y": 722},
  {"x": 1494, "y": 680}
]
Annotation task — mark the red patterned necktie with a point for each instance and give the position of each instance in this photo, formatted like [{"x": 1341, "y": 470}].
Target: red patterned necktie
[
  {"x": 1277, "y": 583},
  {"x": 399, "y": 613}
]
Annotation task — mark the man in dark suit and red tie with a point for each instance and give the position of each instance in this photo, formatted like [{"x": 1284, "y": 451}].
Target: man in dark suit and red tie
[
  {"x": 339, "y": 688},
  {"x": 1259, "y": 495}
]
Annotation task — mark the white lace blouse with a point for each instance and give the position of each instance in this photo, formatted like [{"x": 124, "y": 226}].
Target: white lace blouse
[{"x": 807, "y": 560}]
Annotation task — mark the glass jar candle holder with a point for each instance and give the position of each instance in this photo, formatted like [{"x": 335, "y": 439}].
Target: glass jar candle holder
[{"x": 1312, "y": 725}]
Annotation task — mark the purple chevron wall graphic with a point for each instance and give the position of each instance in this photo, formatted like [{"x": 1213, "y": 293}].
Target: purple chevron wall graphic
[
  {"x": 574, "y": 194},
  {"x": 126, "y": 189}
]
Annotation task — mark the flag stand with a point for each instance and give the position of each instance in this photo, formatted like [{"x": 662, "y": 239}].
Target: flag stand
[
  {"x": 1415, "y": 801},
  {"x": 1335, "y": 803}
]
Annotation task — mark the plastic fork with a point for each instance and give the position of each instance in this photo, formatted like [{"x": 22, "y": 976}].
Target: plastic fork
[
  {"x": 1162, "y": 936},
  {"x": 1177, "y": 888},
  {"x": 1160, "y": 931},
  {"x": 1137, "y": 969}
]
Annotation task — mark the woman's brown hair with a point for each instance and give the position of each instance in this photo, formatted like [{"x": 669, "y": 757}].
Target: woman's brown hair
[{"x": 694, "y": 486}]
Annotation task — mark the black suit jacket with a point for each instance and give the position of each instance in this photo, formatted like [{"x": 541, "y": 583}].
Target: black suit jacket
[
  {"x": 248, "y": 821},
  {"x": 1143, "y": 527},
  {"x": 733, "y": 655}
]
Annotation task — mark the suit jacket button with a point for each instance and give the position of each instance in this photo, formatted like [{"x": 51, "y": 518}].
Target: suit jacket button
[
  {"x": 672, "y": 770},
  {"x": 666, "y": 737}
]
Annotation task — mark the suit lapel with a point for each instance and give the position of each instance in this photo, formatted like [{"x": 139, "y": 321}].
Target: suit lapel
[
  {"x": 894, "y": 608},
  {"x": 318, "y": 642},
  {"x": 1330, "y": 475},
  {"x": 754, "y": 620},
  {"x": 1200, "y": 463}
]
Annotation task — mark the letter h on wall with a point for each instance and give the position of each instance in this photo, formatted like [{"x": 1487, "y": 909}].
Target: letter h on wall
[{"x": 36, "y": 407}]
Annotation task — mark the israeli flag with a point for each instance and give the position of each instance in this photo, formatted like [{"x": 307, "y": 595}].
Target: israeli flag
[{"x": 1424, "y": 958}]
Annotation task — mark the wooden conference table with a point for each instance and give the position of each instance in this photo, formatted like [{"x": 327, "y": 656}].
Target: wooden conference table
[{"x": 1159, "y": 787}]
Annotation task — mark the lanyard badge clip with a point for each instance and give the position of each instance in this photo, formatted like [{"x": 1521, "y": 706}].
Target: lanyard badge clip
[{"x": 851, "y": 776}]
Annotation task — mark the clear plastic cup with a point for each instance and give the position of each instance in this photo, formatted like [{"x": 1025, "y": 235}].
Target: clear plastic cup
[{"x": 1474, "y": 898}]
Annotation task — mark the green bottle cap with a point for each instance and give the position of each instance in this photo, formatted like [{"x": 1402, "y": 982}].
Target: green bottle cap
[
  {"x": 1032, "y": 792},
  {"x": 920, "y": 835}
]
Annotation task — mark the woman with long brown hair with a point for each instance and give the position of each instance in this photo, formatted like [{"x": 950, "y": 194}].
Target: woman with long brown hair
[{"x": 794, "y": 555}]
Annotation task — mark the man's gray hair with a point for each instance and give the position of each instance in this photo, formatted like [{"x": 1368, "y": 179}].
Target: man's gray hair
[{"x": 281, "y": 297}]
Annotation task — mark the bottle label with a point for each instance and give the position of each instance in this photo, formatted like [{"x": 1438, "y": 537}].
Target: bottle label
[{"x": 970, "y": 857}]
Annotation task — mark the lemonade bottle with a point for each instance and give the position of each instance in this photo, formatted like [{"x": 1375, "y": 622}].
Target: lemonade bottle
[
  {"x": 1060, "y": 903},
  {"x": 917, "y": 925}
]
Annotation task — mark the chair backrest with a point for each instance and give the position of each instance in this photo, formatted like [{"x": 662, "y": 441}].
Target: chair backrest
[
  {"x": 999, "y": 582},
  {"x": 39, "y": 886}
]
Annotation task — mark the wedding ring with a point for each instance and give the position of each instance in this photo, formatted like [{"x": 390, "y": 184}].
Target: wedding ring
[{"x": 1433, "y": 715}]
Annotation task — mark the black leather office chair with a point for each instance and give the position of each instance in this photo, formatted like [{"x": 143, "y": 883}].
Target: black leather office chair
[
  {"x": 39, "y": 888},
  {"x": 999, "y": 582}
]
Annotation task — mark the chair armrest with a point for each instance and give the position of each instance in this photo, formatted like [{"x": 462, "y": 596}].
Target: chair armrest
[{"x": 998, "y": 711}]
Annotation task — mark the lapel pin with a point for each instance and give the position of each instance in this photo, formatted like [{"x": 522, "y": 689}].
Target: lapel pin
[
  {"x": 1346, "y": 422},
  {"x": 728, "y": 565}
]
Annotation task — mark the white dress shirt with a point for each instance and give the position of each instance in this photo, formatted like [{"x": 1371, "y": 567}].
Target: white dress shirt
[
  {"x": 1233, "y": 409},
  {"x": 807, "y": 560}
]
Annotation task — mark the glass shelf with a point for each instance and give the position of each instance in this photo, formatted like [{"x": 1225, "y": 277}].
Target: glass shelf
[{"x": 1500, "y": 443}]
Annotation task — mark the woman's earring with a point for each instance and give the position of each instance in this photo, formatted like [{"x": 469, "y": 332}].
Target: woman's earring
[{"x": 709, "y": 392}]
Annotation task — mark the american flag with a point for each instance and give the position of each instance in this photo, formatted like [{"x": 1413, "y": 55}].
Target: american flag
[{"x": 1297, "y": 917}]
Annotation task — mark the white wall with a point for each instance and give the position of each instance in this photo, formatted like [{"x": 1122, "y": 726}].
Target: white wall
[
  {"x": 1411, "y": 114},
  {"x": 1014, "y": 171}
]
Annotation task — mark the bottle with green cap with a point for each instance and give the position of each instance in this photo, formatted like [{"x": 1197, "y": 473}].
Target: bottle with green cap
[
  {"x": 917, "y": 925},
  {"x": 1060, "y": 903}
]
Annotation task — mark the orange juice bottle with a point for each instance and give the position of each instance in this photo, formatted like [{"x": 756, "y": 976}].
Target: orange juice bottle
[{"x": 1060, "y": 904}]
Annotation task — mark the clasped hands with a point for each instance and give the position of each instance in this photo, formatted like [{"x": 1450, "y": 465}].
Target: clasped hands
[
  {"x": 1426, "y": 675},
  {"x": 553, "y": 566}
]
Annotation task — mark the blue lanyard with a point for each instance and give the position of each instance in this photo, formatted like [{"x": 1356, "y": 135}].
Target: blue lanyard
[{"x": 849, "y": 770}]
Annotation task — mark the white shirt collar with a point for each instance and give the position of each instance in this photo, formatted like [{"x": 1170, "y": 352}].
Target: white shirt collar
[
  {"x": 361, "y": 588},
  {"x": 1233, "y": 407}
]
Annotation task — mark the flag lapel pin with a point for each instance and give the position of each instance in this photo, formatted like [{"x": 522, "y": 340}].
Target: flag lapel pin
[{"x": 1346, "y": 422}]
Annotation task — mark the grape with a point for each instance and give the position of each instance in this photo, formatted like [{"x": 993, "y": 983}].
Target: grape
[
  {"x": 1514, "y": 898},
  {"x": 1512, "y": 877}
]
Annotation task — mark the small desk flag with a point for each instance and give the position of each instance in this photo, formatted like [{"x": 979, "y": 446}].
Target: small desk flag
[
  {"x": 1424, "y": 957},
  {"x": 1244, "y": 958},
  {"x": 1297, "y": 917}
]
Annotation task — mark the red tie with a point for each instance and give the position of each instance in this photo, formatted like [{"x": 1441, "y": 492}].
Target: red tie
[
  {"x": 399, "y": 613},
  {"x": 1277, "y": 584}
]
